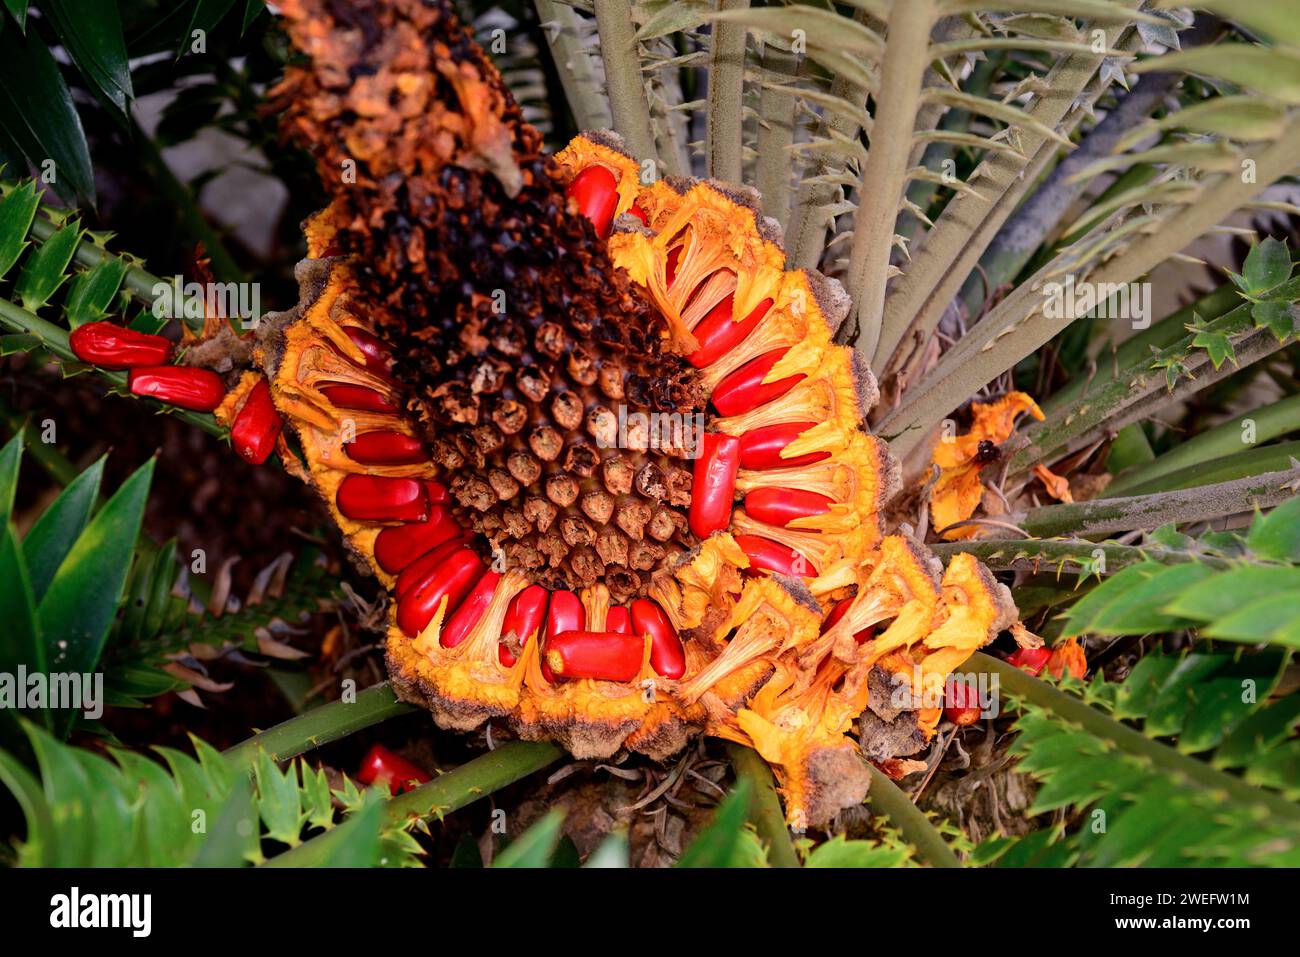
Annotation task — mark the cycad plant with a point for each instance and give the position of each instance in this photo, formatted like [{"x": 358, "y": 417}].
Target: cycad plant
[{"x": 977, "y": 304}]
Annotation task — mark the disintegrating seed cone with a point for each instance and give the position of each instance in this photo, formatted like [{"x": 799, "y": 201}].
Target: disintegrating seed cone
[{"x": 593, "y": 436}]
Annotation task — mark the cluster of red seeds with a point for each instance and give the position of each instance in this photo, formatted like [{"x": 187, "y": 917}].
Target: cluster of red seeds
[
  {"x": 432, "y": 558},
  {"x": 431, "y": 553},
  {"x": 594, "y": 190},
  {"x": 148, "y": 358}
]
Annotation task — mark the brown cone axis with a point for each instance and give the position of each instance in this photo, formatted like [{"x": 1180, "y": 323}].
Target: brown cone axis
[{"x": 516, "y": 336}]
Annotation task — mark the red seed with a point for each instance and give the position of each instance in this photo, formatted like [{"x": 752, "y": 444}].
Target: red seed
[
  {"x": 761, "y": 448},
  {"x": 670, "y": 264},
  {"x": 257, "y": 425},
  {"x": 960, "y": 705},
  {"x": 399, "y": 545},
  {"x": 767, "y": 555},
  {"x": 713, "y": 485},
  {"x": 383, "y": 767},
  {"x": 359, "y": 398},
  {"x": 743, "y": 390},
  {"x": 379, "y": 358},
  {"x": 190, "y": 388},
  {"x": 619, "y": 620},
  {"x": 717, "y": 334},
  {"x": 386, "y": 448},
  {"x": 111, "y": 346},
  {"x": 416, "y": 572},
  {"x": 1032, "y": 660},
  {"x": 781, "y": 506},
  {"x": 667, "y": 656},
  {"x": 457, "y": 627},
  {"x": 603, "y": 655},
  {"x": 565, "y": 613},
  {"x": 524, "y": 617},
  {"x": 452, "y": 580},
  {"x": 837, "y": 613},
  {"x": 640, "y": 214},
  {"x": 377, "y": 498},
  {"x": 595, "y": 191}
]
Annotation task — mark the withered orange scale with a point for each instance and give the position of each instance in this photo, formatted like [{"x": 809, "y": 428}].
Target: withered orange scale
[{"x": 767, "y": 630}]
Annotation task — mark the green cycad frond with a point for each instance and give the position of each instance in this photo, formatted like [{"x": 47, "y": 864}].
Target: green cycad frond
[
  {"x": 1206, "y": 353},
  {"x": 1231, "y": 157},
  {"x": 1232, "y": 803},
  {"x": 517, "y": 60},
  {"x": 132, "y": 811},
  {"x": 148, "y": 650},
  {"x": 1250, "y": 602},
  {"x": 1142, "y": 802},
  {"x": 568, "y": 36},
  {"x": 897, "y": 140},
  {"x": 84, "y": 591},
  {"x": 66, "y": 272},
  {"x": 728, "y": 841}
]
